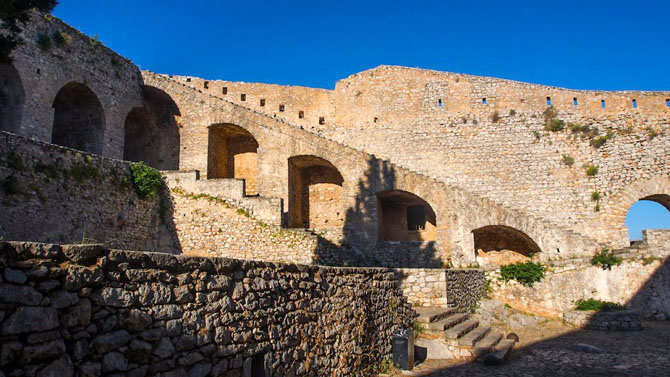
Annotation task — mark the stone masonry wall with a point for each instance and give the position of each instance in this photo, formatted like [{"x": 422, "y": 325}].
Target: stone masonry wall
[
  {"x": 364, "y": 175},
  {"x": 86, "y": 311},
  {"x": 465, "y": 287},
  {"x": 437, "y": 123},
  {"x": 641, "y": 282},
  {"x": 113, "y": 79},
  {"x": 54, "y": 194},
  {"x": 425, "y": 287}
]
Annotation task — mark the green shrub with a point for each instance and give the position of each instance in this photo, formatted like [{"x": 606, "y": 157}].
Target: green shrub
[
  {"x": 568, "y": 160},
  {"x": 595, "y": 196},
  {"x": 598, "y": 305},
  {"x": 526, "y": 273},
  {"x": 15, "y": 162},
  {"x": 537, "y": 134},
  {"x": 44, "y": 42},
  {"x": 512, "y": 112},
  {"x": 147, "y": 180},
  {"x": 652, "y": 133},
  {"x": 591, "y": 170},
  {"x": 555, "y": 125},
  {"x": 598, "y": 141},
  {"x": 584, "y": 130},
  {"x": 418, "y": 328},
  {"x": 549, "y": 114},
  {"x": 80, "y": 172},
  {"x": 605, "y": 259},
  {"x": 60, "y": 38}
]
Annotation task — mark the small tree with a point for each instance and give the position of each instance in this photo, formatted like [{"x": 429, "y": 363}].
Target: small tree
[{"x": 13, "y": 13}]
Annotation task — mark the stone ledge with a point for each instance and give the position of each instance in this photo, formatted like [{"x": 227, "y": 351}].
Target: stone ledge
[{"x": 624, "y": 320}]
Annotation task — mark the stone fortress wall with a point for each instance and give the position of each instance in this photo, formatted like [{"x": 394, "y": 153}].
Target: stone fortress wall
[
  {"x": 436, "y": 123},
  {"x": 85, "y": 310}
]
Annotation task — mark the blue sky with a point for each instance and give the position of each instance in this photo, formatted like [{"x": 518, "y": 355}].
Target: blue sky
[{"x": 576, "y": 44}]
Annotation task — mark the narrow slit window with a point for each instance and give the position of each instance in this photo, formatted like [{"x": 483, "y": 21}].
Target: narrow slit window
[
  {"x": 243, "y": 97},
  {"x": 483, "y": 101},
  {"x": 439, "y": 102},
  {"x": 301, "y": 114},
  {"x": 575, "y": 102},
  {"x": 206, "y": 84},
  {"x": 548, "y": 101},
  {"x": 635, "y": 104},
  {"x": 262, "y": 103},
  {"x": 322, "y": 120},
  {"x": 667, "y": 102},
  {"x": 224, "y": 90},
  {"x": 416, "y": 218},
  {"x": 281, "y": 108},
  {"x": 602, "y": 103}
]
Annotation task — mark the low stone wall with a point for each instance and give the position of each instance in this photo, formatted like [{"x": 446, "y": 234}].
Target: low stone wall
[
  {"x": 408, "y": 254},
  {"x": 465, "y": 287},
  {"x": 425, "y": 287},
  {"x": 54, "y": 194},
  {"x": 625, "y": 320},
  {"x": 640, "y": 284},
  {"x": 88, "y": 311}
]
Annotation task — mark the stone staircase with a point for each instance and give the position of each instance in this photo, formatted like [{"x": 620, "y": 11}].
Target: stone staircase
[{"x": 461, "y": 337}]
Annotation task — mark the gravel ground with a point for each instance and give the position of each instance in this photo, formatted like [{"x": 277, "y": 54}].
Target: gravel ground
[{"x": 554, "y": 349}]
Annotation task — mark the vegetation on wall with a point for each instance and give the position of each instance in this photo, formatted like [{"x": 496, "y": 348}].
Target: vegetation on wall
[
  {"x": 526, "y": 273},
  {"x": 598, "y": 141},
  {"x": 568, "y": 160},
  {"x": 597, "y": 305},
  {"x": 147, "y": 180},
  {"x": 605, "y": 259},
  {"x": 13, "y": 14},
  {"x": 591, "y": 170}
]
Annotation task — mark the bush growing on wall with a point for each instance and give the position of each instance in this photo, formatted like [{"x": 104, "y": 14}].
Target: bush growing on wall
[
  {"x": 597, "y": 305},
  {"x": 147, "y": 180},
  {"x": 605, "y": 259},
  {"x": 526, "y": 273}
]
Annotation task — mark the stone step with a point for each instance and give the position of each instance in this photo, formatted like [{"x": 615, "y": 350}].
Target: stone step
[
  {"x": 486, "y": 344},
  {"x": 448, "y": 322},
  {"x": 461, "y": 329},
  {"x": 474, "y": 336},
  {"x": 503, "y": 349},
  {"x": 432, "y": 314}
]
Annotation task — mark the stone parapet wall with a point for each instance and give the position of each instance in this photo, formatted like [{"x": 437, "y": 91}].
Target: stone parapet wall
[
  {"x": 625, "y": 320},
  {"x": 425, "y": 286},
  {"x": 54, "y": 194},
  {"x": 85, "y": 310},
  {"x": 465, "y": 287}
]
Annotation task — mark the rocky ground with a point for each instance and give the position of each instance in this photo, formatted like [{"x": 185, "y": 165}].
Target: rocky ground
[{"x": 550, "y": 348}]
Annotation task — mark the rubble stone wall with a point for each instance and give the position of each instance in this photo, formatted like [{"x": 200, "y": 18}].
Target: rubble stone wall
[
  {"x": 84, "y": 310},
  {"x": 54, "y": 194}
]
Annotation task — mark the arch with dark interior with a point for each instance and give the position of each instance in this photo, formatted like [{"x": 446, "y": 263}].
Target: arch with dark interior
[
  {"x": 79, "y": 119},
  {"x": 500, "y": 237},
  {"x": 152, "y": 132},
  {"x": 314, "y": 193},
  {"x": 403, "y": 216},
  {"x": 650, "y": 212},
  {"x": 12, "y": 96},
  {"x": 232, "y": 152}
]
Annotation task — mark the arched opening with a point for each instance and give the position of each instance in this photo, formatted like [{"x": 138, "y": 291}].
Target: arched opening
[
  {"x": 499, "y": 244},
  {"x": 11, "y": 98},
  {"x": 651, "y": 212},
  {"x": 152, "y": 132},
  {"x": 79, "y": 119},
  {"x": 403, "y": 216},
  {"x": 232, "y": 152},
  {"x": 315, "y": 193}
]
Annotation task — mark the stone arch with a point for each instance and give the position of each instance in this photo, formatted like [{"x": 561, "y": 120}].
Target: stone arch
[
  {"x": 79, "y": 119},
  {"x": 232, "y": 152},
  {"x": 152, "y": 132},
  {"x": 314, "y": 193},
  {"x": 403, "y": 216},
  {"x": 639, "y": 215},
  {"x": 501, "y": 237},
  {"x": 655, "y": 189},
  {"x": 12, "y": 97}
]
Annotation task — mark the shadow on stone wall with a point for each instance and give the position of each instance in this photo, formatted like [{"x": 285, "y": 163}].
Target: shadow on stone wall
[
  {"x": 361, "y": 229},
  {"x": 622, "y": 350}
]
